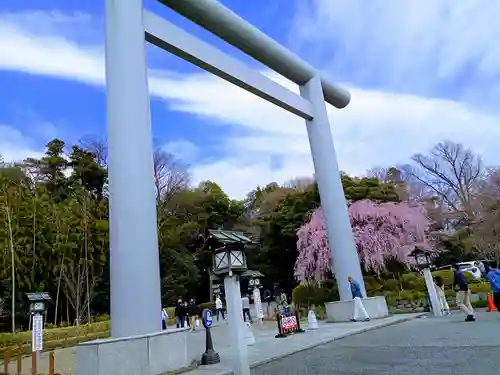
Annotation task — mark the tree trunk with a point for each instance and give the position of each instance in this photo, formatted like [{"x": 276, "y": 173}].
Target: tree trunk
[
  {"x": 77, "y": 307},
  {"x": 34, "y": 240},
  {"x": 12, "y": 259},
  {"x": 86, "y": 260},
  {"x": 58, "y": 289},
  {"x": 67, "y": 311}
]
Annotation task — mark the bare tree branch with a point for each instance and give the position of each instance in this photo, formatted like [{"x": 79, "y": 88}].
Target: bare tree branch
[
  {"x": 171, "y": 175},
  {"x": 98, "y": 146},
  {"x": 299, "y": 183},
  {"x": 75, "y": 287},
  {"x": 407, "y": 187},
  {"x": 486, "y": 227},
  {"x": 453, "y": 173}
]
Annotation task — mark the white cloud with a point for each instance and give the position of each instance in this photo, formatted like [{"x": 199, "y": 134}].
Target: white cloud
[
  {"x": 15, "y": 146},
  {"x": 184, "y": 150},
  {"x": 419, "y": 46},
  {"x": 377, "y": 128}
]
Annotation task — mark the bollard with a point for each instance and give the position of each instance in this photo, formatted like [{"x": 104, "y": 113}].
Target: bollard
[
  {"x": 6, "y": 361},
  {"x": 210, "y": 356},
  {"x": 312, "y": 322},
  {"x": 52, "y": 364},
  {"x": 33, "y": 363},
  {"x": 249, "y": 337}
]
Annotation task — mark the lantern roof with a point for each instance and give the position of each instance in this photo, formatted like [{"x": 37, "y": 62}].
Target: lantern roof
[
  {"x": 252, "y": 274},
  {"x": 229, "y": 237},
  {"x": 39, "y": 296}
]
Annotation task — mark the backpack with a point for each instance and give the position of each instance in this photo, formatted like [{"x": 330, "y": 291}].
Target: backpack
[{"x": 494, "y": 277}]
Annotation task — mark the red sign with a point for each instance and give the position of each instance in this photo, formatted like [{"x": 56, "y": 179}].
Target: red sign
[{"x": 289, "y": 322}]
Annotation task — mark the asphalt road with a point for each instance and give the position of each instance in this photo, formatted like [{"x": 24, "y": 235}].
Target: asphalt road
[{"x": 432, "y": 346}]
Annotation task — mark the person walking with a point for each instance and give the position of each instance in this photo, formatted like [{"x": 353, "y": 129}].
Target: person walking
[
  {"x": 245, "y": 304},
  {"x": 194, "y": 314},
  {"x": 285, "y": 307},
  {"x": 439, "y": 286},
  {"x": 463, "y": 294},
  {"x": 494, "y": 278},
  {"x": 186, "y": 314},
  {"x": 360, "y": 313},
  {"x": 164, "y": 318},
  {"x": 180, "y": 314},
  {"x": 219, "y": 308}
]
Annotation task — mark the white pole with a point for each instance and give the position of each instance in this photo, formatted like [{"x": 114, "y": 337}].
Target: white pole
[
  {"x": 134, "y": 263},
  {"x": 338, "y": 226},
  {"x": 431, "y": 290},
  {"x": 236, "y": 327}
]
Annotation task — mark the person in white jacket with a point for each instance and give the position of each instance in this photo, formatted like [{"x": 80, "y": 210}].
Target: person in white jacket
[
  {"x": 439, "y": 286},
  {"x": 219, "y": 310},
  {"x": 164, "y": 318}
]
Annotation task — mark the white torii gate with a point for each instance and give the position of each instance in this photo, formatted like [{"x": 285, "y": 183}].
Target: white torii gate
[{"x": 134, "y": 263}]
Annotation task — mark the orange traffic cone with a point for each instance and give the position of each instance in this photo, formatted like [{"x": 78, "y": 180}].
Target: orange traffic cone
[{"x": 491, "y": 305}]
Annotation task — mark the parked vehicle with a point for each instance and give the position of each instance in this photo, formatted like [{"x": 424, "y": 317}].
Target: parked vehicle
[{"x": 475, "y": 267}]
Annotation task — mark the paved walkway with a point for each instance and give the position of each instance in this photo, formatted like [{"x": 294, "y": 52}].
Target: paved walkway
[
  {"x": 267, "y": 348},
  {"x": 431, "y": 346}
]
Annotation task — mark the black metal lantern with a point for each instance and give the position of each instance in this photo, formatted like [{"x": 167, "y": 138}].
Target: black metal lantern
[
  {"x": 253, "y": 279},
  {"x": 422, "y": 258},
  {"x": 227, "y": 260},
  {"x": 254, "y": 283},
  {"x": 39, "y": 302},
  {"x": 228, "y": 249}
]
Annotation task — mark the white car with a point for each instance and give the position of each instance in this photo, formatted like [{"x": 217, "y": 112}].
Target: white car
[{"x": 475, "y": 267}]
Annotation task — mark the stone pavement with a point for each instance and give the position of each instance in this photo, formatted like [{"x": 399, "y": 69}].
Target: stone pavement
[
  {"x": 431, "y": 346},
  {"x": 267, "y": 348}
]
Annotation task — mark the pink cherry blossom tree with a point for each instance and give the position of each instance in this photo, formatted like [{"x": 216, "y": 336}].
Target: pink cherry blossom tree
[{"x": 382, "y": 232}]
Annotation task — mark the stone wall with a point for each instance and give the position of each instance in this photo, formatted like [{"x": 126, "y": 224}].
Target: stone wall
[{"x": 150, "y": 354}]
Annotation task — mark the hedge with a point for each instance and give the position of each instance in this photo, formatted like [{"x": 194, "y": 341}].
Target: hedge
[
  {"x": 65, "y": 336},
  {"x": 408, "y": 287},
  {"x": 20, "y": 342}
]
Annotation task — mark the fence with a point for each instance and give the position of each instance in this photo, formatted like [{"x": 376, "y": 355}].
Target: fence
[{"x": 8, "y": 357}]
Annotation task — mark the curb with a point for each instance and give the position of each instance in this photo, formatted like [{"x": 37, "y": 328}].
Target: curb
[{"x": 326, "y": 341}]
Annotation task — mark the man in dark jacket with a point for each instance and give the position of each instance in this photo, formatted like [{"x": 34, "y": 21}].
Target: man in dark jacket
[
  {"x": 194, "y": 313},
  {"x": 180, "y": 313},
  {"x": 463, "y": 294}
]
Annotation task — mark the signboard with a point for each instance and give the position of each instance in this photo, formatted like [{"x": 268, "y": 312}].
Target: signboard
[
  {"x": 37, "y": 333},
  {"x": 258, "y": 304},
  {"x": 289, "y": 323},
  {"x": 208, "y": 318}
]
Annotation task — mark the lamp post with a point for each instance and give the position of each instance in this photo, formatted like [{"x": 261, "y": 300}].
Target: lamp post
[
  {"x": 254, "y": 284},
  {"x": 38, "y": 307},
  {"x": 423, "y": 262},
  {"x": 230, "y": 261}
]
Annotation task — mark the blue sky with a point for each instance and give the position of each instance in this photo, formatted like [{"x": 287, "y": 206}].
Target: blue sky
[{"x": 418, "y": 71}]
